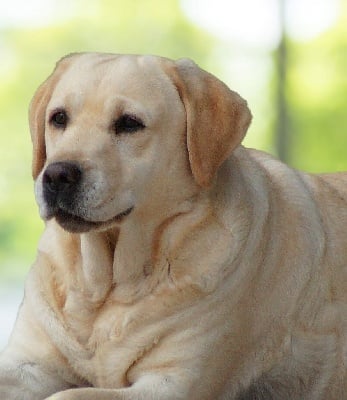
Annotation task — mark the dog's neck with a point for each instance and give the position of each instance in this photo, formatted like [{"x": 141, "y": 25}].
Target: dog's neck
[
  {"x": 125, "y": 259},
  {"x": 129, "y": 260},
  {"x": 142, "y": 251}
]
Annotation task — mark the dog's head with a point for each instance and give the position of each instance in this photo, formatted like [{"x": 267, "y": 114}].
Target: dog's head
[{"x": 112, "y": 134}]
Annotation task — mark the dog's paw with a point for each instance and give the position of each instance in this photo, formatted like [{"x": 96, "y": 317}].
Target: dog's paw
[{"x": 66, "y": 395}]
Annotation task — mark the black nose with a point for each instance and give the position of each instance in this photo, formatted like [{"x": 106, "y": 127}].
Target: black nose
[{"x": 61, "y": 178}]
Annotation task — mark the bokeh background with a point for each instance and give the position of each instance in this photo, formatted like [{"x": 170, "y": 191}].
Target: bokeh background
[{"x": 288, "y": 58}]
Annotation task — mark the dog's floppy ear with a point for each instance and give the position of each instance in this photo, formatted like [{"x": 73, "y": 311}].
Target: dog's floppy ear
[
  {"x": 217, "y": 118},
  {"x": 37, "y": 115}
]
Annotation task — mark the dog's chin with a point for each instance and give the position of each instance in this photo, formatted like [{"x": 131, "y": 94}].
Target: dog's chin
[{"x": 76, "y": 224}]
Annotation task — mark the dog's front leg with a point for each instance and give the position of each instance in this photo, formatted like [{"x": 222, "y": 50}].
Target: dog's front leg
[
  {"x": 31, "y": 367},
  {"x": 26, "y": 380},
  {"x": 148, "y": 387}
]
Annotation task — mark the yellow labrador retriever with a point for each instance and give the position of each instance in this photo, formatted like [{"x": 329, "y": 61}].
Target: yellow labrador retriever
[{"x": 175, "y": 263}]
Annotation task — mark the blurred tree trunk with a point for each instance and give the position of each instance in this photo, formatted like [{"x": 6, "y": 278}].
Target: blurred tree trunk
[{"x": 282, "y": 129}]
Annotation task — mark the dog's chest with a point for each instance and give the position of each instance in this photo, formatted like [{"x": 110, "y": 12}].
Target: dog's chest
[
  {"x": 97, "y": 347},
  {"x": 113, "y": 336},
  {"x": 114, "y": 346}
]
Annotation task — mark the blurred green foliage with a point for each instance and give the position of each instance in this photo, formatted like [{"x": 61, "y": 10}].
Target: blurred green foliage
[
  {"x": 317, "y": 95},
  {"x": 317, "y": 100}
]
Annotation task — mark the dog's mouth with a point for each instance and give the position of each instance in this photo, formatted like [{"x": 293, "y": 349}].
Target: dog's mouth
[{"x": 76, "y": 224}]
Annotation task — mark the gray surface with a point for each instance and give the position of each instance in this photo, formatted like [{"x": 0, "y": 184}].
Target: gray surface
[{"x": 10, "y": 299}]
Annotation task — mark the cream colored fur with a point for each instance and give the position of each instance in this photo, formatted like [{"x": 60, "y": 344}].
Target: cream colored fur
[{"x": 227, "y": 280}]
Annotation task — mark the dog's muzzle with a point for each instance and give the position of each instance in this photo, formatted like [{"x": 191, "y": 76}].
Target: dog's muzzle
[
  {"x": 60, "y": 183},
  {"x": 61, "y": 189}
]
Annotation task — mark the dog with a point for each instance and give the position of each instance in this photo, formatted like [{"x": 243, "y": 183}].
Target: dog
[{"x": 175, "y": 263}]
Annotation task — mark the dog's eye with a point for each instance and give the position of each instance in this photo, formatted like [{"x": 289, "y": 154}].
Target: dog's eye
[
  {"x": 59, "y": 119},
  {"x": 128, "y": 124}
]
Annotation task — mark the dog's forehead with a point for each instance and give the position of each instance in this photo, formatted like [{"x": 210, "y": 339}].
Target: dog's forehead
[{"x": 121, "y": 74}]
